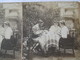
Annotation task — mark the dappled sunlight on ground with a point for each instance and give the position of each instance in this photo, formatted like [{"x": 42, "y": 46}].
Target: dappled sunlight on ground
[{"x": 68, "y": 56}]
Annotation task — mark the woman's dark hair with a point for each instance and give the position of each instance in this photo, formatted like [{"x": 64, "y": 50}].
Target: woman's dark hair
[
  {"x": 63, "y": 23},
  {"x": 8, "y": 24}
]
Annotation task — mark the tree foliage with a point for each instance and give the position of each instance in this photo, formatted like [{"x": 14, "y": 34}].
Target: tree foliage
[{"x": 33, "y": 12}]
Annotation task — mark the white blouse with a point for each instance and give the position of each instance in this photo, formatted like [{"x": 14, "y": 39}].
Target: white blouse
[
  {"x": 8, "y": 33},
  {"x": 64, "y": 32},
  {"x": 54, "y": 32}
]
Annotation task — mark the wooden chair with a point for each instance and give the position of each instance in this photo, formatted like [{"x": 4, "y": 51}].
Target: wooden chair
[
  {"x": 12, "y": 46},
  {"x": 67, "y": 44}
]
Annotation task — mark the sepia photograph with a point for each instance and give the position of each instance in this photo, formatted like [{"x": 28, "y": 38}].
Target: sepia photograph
[
  {"x": 40, "y": 30},
  {"x": 51, "y": 31},
  {"x": 10, "y": 31}
]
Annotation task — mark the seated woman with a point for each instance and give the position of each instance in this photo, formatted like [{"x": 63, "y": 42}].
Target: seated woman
[
  {"x": 64, "y": 32},
  {"x": 54, "y": 34},
  {"x": 40, "y": 33},
  {"x": 7, "y": 41}
]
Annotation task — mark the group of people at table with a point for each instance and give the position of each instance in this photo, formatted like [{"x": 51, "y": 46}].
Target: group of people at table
[{"x": 58, "y": 31}]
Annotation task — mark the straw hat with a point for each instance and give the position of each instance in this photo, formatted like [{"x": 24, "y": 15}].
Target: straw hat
[
  {"x": 62, "y": 21},
  {"x": 6, "y": 22}
]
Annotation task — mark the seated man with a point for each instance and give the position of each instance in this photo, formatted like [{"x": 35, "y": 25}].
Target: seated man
[{"x": 40, "y": 34}]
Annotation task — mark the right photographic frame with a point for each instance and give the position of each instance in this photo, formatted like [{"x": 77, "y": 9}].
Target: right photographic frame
[{"x": 51, "y": 31}]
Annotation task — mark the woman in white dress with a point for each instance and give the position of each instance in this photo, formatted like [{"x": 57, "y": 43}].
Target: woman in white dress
[
  {"x": 64, "y": 32},
  {"x": 54, "y": 34},
  {"x": 7, "y": 41}
]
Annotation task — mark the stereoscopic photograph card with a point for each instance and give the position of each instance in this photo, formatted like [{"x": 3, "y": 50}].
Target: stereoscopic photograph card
[
  {"x": 40, "y": 30},
  {"x": 51, "y": 31}
]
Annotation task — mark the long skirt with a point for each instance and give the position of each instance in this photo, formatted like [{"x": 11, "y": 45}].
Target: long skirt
[
  {"x": 62, "y": 42},
  {"x": 7, "y": 44}
]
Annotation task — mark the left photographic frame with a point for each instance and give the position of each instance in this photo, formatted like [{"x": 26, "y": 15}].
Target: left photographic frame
[{"x": 10, "y": 31}]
